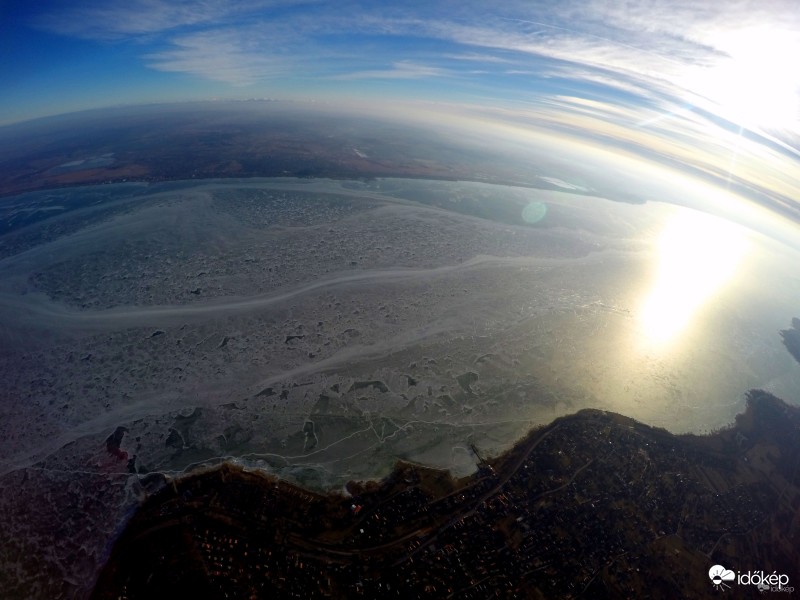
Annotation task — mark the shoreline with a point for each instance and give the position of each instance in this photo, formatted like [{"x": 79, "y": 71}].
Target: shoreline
[{"x": 592, "y": 462}]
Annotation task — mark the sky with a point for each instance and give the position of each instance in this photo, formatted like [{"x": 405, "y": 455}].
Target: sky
[
  {"x": 733, "y": 58},
  {"x": 707, "y": 83}
]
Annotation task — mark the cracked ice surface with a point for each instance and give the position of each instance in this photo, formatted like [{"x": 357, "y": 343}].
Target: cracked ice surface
[{"x": 320, "y": 330}]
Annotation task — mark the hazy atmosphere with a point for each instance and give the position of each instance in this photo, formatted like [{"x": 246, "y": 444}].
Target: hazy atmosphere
[{"x": 312, "y": 239}]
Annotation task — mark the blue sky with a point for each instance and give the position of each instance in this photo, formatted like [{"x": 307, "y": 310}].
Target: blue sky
[
  {"x": 61, "y": 56},
  {"x": 703, "y": 83}
]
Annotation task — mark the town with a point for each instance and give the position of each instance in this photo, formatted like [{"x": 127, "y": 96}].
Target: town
[{"x": 595, "y": 505}]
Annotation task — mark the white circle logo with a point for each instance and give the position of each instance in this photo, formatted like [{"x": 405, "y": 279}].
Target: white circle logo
[{"x": 719, "y": 575}]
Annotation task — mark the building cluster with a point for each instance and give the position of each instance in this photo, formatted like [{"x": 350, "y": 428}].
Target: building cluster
[{"x": 591, "y": 506}]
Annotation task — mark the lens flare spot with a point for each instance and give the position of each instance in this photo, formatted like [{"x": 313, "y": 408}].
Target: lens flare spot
[{"x": 534, "y": 212}]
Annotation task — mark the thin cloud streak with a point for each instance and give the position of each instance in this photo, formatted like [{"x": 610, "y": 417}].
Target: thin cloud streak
[
  {"x": 111, "y": 20},
  {"x": 399, "y": 70},
  {"x": 236, "y": 56},
  {"x": 476, "y": 57}
]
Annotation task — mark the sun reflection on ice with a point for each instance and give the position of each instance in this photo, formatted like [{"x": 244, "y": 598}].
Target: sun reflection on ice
[{"x": 698, "y": 255}]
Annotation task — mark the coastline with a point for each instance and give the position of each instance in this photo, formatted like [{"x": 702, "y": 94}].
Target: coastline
[{"x": 559, "y": 470}]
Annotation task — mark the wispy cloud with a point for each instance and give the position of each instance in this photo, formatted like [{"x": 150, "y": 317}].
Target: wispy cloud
[
  {"x": 681, "y": 141},
  {"x": 478, "y": 57},
  {"x": 399, "y": 70},
  {"x": 239, "y": 56},
  {"x": 126, "y": 19}
]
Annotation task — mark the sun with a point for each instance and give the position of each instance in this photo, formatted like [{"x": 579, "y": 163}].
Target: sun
[
  {"x": 698, "y": 254},
  {"x": 755, "y": 83}
]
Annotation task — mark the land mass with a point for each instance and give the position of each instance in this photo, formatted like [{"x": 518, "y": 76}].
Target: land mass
[
  {"x": 207, "y": 140},
  {"x": 594, "y": 505},
  {"x": 791, "y": 339},
  {"x": 216, "y": 140}
]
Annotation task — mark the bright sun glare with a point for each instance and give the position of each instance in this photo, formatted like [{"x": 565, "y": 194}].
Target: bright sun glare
[
  {"x": 698, "y": 253},
  {"x": 756, "y": 85}
]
